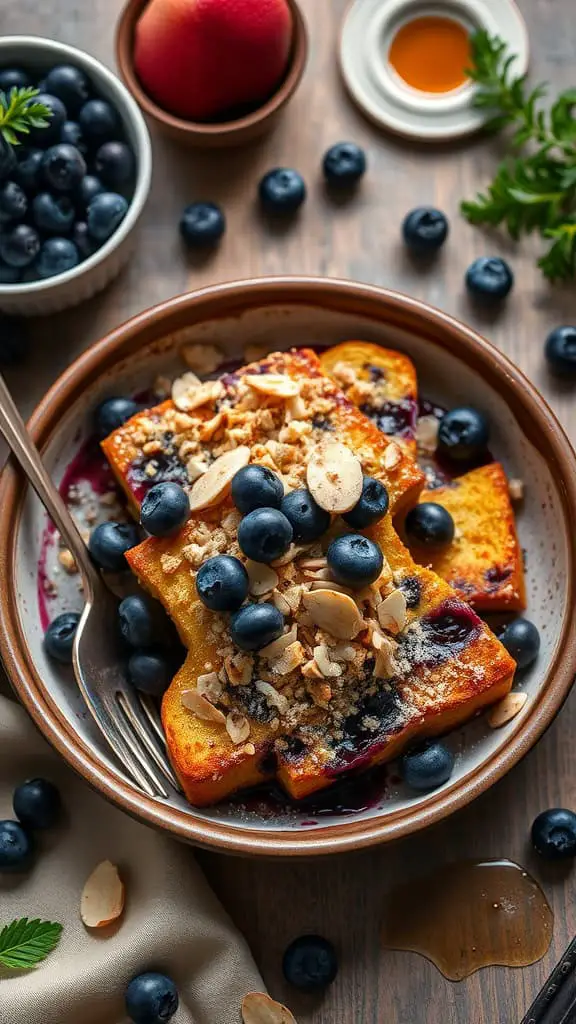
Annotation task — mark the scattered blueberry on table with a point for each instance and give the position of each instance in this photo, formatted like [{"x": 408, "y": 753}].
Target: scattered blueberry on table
[
  {"x": 151, "y": 998},
  {"x": 354, "y": 560},
  {"x": 282, "y": 190},
  {"x": 202, "y": 224},
  {"x": 164, "y": 510},
  {"x": 554, "y": 834},
  {"x": 109, "y": 543},
  {"x": 522, "y": 641},
  {"x": 256, "y": 487},
  {"x": 560, "y": 351},
  {"x": 222, "y": 583},
  {"x": 430, "y": 524},
  {"x": 265, "y": 535},
  {"x": 37, "y": 804},
  {"x": 309, "y": 522},
  {"x": 344, "y": 164},
  {"x": 463, "y": 434},
  {"x": 427, "y": 766},
  {"x": 489, "y": 278},
  {"x": 424, "y": 230},
  {"x": 16, "y": 847},
  {"x": 371, "y": 507},
  {"x": 310, "y": 963},
  {"x": 59, "y": 637},
  {"x": 256, "y": 625}
]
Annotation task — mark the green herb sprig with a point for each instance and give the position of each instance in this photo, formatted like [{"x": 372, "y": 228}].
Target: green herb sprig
[
  {"x": 24, "y": 943},
  {"x": 19, "y": 112},
  {"x": 535, "y": 189}
]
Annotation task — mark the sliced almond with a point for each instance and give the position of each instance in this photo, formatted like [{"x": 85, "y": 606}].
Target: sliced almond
[
  {"x": 202, "y": 358},
  {"x": 280, "y": 602},
  {"x": 313, "y": 563},
  {"x": 311, "y": 671},
  {"x": 102, "y": 900},
  {"x": 328, "y": 585},
  {"x": 214, "y": 485},
  {"x": 258, "y": 1008},
  {"x": 427, "y": 434},
  {"x": 239, "y": 668},
  {"x": 318, "y": 574},
  {"x": 334, "y": 477},
  {"x": 506, "y": 709},
  {"x": 209, "y": 686},
  {"x": 295, "y": 408},
  {"x": 262, "y": 578},
  {"x": 322, "y": 658},
  {"x": 385, "y": 667},
  {"x": 336, "y": 613},
  {"x": 290, "y": 660},
  {"x": 391, "y": 612},
  {"x": 183, "y": 388},
  {"x": 293, "y": 597},
  {"x": 277, "y": 385},
  {"x": 202, "y": 708},
  {"x": 392, "y": 456},
  {"x": 195, "y": 468},
  {"x": 277, "y": 647},
  {"x": 516, "y": 489},
  {"x": 273, "y": 698},
  {"x": 237, "y": 727}
]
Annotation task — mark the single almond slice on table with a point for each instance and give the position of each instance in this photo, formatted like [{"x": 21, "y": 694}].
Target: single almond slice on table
[
  {"x": 335, "y": 613},
  {"x": 506, "y": 709},
  {"x": 276, "y": 385},
  {"x": 258, "y": 1008},
  {"x": 202, "y": 708},
  {"x": 102, "y": 900},
  {"x": 214, "y": 485},
  {"x": 334, "y": 477}
]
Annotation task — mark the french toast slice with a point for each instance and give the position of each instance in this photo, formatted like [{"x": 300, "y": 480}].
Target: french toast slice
[
  {"x": 381, "y": 382},
  {"x": 484, "y": 562},
  {"x": 355, "y": 676}
]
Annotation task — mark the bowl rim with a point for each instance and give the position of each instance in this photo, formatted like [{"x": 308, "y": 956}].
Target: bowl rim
[
  {"x": 129, "y": 112},
  {"x": 534, "y": 418},
  {"x": 124, "y": 59}
]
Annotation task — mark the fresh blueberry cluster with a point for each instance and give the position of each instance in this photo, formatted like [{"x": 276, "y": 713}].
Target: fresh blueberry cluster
[
  {"x": 36, "y": 804},
  {"x": 65, "y": 191}
]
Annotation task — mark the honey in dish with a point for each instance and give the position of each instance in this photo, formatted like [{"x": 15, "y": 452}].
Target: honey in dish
[
  {"x": 431, "y": 54},
  {"x": 470, "y": 915}
]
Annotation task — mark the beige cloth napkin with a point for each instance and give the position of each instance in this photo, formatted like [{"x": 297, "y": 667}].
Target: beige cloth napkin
[{"x": 172, "y": 921}]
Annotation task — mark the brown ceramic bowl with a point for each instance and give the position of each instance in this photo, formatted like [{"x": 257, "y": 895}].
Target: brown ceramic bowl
[
  {"x": 454, "y": 365},
  {"x": 210, "y": 135}
]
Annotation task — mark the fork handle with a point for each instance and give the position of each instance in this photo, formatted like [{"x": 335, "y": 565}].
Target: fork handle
[{"x": 18, "y": 439}]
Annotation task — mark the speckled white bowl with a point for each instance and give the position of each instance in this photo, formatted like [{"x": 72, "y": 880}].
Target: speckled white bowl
[
  {"x": 89, "y": 277},
  {"x": 455, "y": 365}
]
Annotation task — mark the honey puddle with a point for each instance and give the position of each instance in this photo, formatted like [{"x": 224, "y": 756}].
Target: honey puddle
[{"x": 470, "y": 915}]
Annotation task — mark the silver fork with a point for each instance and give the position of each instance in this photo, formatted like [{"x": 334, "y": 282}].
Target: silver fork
[{"x": 128, "y": 721}]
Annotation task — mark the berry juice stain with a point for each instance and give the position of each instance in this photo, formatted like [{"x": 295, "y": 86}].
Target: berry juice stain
[{"x": 470, "y": 915}]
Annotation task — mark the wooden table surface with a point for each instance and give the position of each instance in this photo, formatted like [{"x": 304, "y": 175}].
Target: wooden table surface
[{"x": 342, "y": 898}]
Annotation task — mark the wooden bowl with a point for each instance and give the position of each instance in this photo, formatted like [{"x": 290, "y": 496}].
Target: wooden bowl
[
  {"x": 216, "y": 134},
  {"x": 455, "y": 365}
]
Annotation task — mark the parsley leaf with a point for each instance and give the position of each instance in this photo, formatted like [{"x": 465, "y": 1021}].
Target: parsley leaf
[
  {"x": 19, "y": 112},
  {"x": 25, "y": 943}
]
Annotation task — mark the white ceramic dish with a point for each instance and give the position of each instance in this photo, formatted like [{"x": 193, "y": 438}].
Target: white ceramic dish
[{"x": 80, "y": 283}]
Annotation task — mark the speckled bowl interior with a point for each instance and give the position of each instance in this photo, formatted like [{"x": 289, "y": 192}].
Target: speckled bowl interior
[{"x": 454, "y": 367}]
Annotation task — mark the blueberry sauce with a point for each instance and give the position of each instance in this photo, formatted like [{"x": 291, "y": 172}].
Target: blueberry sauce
[
  {"x": 448, "y": 630},
  {"x": 351, "y": 795},
  {"x": 397, "y": 419}
]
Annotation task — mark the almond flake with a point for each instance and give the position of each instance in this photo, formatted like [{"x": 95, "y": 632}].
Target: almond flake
[
  {"x": 209, "y": 686},
  {"x": 506, "y": 709},
  {"x": 192, "y": 700},
  {"x": 313, "y": 563},
  {"x": 182, "y": 388},
  {"x": 385, "y": 667},
  {"x": 195, "y": 468},
  {"x": 293, "y": 597},
  {"x": 214, "y": 485},
  {"x": 328, "y": 585},
  {"x": 277, "y": 647},
  {"x": 237, "y": 727},
  {"x": 239, "y": 668},
  {"x": 392, "y": 456},
  {"x": 334, "y": 477},
  {"x": 280, "y": 602},
  {"x": 273, "y": 698},
  {"x": 262, "y": 578},
  {"x": 290, "y": 660},
  {"x": 391, "y": 612},
  {"x": 277, "y": 385},
  {"x": 311, "y": 671},
  {"x": 516, "y": 489},
  {"x": 336, "y": 613},
  {"x": 427, "y": 434},
  {"x": 327, "y": 668},
  {"x": 202, "y": 358},
  {"x": 295, "y": 408},
  {"x": 258, "y": 1008},
  {"x": 102, "y": 900}
]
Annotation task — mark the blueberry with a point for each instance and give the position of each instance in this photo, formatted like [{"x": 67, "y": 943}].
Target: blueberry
[
  {"x": 371, "y": 507},
  {"x": 151, "y": 998},
  {"x": 202, "y": 224},
  {"x": 9, "y": 275},
  {"x": 13, "y": 78},
  {"x": 560, "y": 351},
  {"x": 150, "y": 670},
  {"x": 256, "y": 625},
  {"x": 99, "y": 121},
  {"x": 354, "y": 560},
  {"x": 105, "y": 212},
  {"x": 308, "y": 521},
  {"x": 165, "y": 509},
  {"x": 424, "y": 230},
  {"x": 7, "y": 158},
  {"x": 28, "y": 172},
  {"x": 13, "y": 203},
  {"x": 44, "y": 137},
  {"x": 69, "y": 84},
  {"x": 554, "y": 834},
  {"x": 37, "y": 804},
  {"x": 16, "y": 847},
  {"x": 63, "y": 167},
  {"x": 81, "y": 237},
  {"x": 89, "y": 187},
  {"x": 522, "y": 641},
  {"x": 53, "y": 214},
  {"x": 222, "y": 583},
  {"x": 256, "y": 487},
  {"x": 114, "y": 164},
  {"x": 265, "y": 534},
  {"x": 57, "y": 255},
  {"x": 489, "y": 277},
  {"x": 109, "y": 542},
  {"x": 310, "y": 963},
  {"x": 344, "y": 163},
  {"x": 59, "y": 637},
  {"x": 430, "y": 524},
  {"x": 136, "y": 621},
  {"x": 73, "y": 135},
  {"x": 112, "y": 413},
  {"x": 282, "y": 190},
  {"x": 463, "y": 434},
  {"x": 14, "y": 341},
  {"x": 20, "y": 246},
  {"x": 427, "y": 766}
]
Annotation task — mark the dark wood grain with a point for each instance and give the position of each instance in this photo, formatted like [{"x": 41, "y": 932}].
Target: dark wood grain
[{"x": 342, "y": 898}]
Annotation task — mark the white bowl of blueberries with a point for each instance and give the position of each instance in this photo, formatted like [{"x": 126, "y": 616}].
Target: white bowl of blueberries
[{"x": 73, "y": 185}]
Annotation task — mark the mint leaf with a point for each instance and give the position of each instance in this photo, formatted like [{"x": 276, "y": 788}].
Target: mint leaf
[{"x": 24, "y": 943}]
